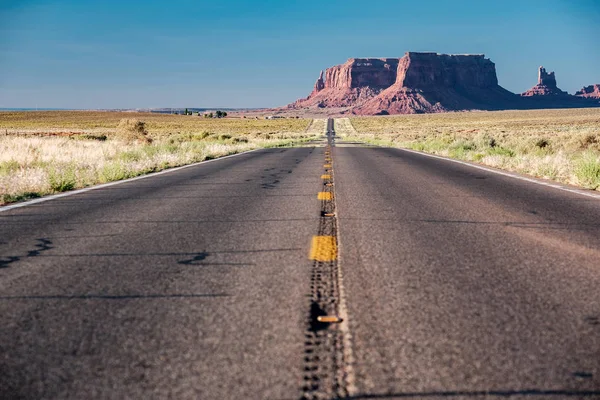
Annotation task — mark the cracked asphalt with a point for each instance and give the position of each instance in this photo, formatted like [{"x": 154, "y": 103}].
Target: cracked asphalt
[{"x": 459, "y": 283}]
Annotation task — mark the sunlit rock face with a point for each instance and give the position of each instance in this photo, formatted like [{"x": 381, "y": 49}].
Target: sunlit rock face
[
  {"x": 429, "y": 83},
  {"x": 546, "y": 85},
  {"x": 591, "y": 92}
]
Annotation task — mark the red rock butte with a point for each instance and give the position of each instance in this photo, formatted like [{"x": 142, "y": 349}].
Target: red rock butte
[
  {"x": 426, "y": 83},
  {"x": 592, "y": 92},
  {"x": 546, "y": 85}
]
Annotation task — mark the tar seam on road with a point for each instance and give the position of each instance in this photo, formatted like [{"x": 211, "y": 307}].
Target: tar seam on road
[
  {"x": 105, "y": 185},
  {"x": 328, "y": 370}
]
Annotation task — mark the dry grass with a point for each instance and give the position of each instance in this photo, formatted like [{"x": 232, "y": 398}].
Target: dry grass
[
  {"x": 563, "y": 145},
  {"x": 157, "y": 125},
  {"x": 49, "y": 152},
  {"x": 318, "y": 127}
]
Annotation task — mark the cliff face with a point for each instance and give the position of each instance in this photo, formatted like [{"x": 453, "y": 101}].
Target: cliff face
[
  {"x": 351, "y": 83},
  {"x": 319, "y": 85},
  {"x": 430, "y": 82},
  {"x": 362, "y": 72},
  {"x": 431, "y": 70},
  {"x": 591, "y": 92}
]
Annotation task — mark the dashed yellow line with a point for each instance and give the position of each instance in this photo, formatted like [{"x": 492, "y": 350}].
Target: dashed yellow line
[
  {"x": 325, "y": 196},
  {"x": 327, "y": 166},
  {"x": 323, "y": 248},
  {"x": 331, "y": 319},
  {"x": 326, "y": 176}
]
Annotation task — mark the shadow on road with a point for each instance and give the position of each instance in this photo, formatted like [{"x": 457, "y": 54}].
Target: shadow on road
[{"x": 41, "y": 246}]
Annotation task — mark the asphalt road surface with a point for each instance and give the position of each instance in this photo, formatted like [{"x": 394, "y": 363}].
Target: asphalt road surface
[{"x": 196, "y": 284}]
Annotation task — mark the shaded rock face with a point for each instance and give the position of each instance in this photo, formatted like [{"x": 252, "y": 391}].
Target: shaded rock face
[
  {"x": 591, "y": 92},
  {"x": 546, "y": 85}
]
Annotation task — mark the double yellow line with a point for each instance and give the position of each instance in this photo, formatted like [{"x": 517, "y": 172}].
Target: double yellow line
[{"x": 324, "y": 248}]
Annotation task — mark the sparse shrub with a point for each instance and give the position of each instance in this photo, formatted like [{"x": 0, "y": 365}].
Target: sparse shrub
[
  {"x": 547, "y": 170},
  {"x": 114, "y": 171},
  {"x": 100, "y": 138},
  {"x": 10, "y": 198},
  {"x": 542, "y": 143},
  {"x": 483, "y": 141},
  {"x": 240, "y": 140},
  {"x": 170, "y": 148},
  {"x": 463, "y": 145},
  {"x": 132, "y": 130},
  {"x": 589, "y": 141},
  {"x": 224, "y": 137},
  {"x": 587, "y": 170},
  {"x": 150, "y": 151},
  {"x": 419, "y": 146},
  {"x": 188, "y": 137},
  {"x": 62, "y": 179},
  {"x": 500, "y": 151},
  {"x": 460, "y": 148},
  {"x": 8, "y": 167},
  {"x": 130, "y": 156}
]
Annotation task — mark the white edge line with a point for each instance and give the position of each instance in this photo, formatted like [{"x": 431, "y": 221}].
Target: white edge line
[
  {"x": 348, "y": 352},
  {"x": 581, "y": 192},
  {"x": 104, "y": 185}
]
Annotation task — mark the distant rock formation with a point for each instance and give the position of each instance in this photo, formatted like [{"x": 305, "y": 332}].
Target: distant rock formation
[
  {"x": 546, "y": 85},
  {"x": 351, "y": 83},
  {"x": 319, "y": 85},
  {"x": 426, "y": 83},
  {"x": 590, "y": 92},
  {"x": 430, "y": 82}
]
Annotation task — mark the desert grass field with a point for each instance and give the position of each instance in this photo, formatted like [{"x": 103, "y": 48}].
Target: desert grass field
[
  {"x": 54, "y": 151},
  {"x": 561, "y": 145}
]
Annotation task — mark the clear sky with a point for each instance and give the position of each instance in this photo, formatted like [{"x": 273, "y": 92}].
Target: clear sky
[{"x": 226, "y": 53}]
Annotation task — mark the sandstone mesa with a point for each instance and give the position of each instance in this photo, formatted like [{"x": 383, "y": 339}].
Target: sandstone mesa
[{"x": 429, "y": 83}]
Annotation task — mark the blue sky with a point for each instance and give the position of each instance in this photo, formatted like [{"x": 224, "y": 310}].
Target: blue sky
[{"x": 226, "y": 53}]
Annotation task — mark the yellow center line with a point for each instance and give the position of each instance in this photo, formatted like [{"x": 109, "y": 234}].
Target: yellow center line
[
  {"x": 325, "y": 176},
  {"x": 332, "y": 319},
  {"x": 323, "y": 248},
  {"x": 325, "y": 196},
  {"x": 327, "y": 166}
]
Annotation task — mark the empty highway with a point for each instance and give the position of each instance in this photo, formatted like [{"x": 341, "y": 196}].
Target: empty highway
[{"x": 334, "y": 270}]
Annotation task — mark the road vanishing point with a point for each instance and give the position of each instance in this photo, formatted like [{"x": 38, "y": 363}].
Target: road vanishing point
[{"x": 334, "y": 270}]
